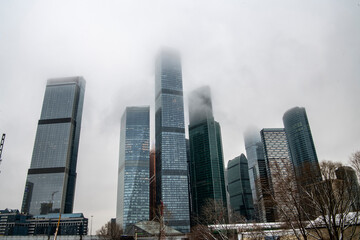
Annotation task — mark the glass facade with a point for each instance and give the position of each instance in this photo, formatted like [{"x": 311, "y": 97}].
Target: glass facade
[
  {"x": 14, "y": 223},
  {"x": 301, "y": 145},
  {"x": 134, "y": 167},
  {"x": 257, "y": 171},
  {"x": 50, "y": 184},
  {"x": 171, "y": 160},
  {"x": 241, "y": 200},
  {"x": 207, "y": 180},
  {"x": 278, "y": 165}
]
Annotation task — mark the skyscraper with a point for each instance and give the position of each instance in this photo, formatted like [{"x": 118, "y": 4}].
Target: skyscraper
[
  {"x": 241, "y": 200},
  {"x": 50, "y": 184},
  {"x": 134, "y": 167},
  {"x": 152, "y": 184},
  {"x": 301, "y": 145},
  {"x": 257, "y": 171},
  {"x": 348, "y": 175},
  {"x": 171, "y": 162},
  {"x": 206, "y": 155},
  {"x": 278, "y": 165}
]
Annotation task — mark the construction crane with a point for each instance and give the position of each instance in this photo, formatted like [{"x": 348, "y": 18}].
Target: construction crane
[{"x": 2, "y": 145}]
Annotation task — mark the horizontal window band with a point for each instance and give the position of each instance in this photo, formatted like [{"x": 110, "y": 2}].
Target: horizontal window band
[
  {"x": 174, "y": 172},
  {"x": 172, "y": 129},
  {"x": 169, "y": 91},
  {"x": 56, "y": 120},
  {"x": 178, "y": 222},
  {"x": 48, "y": 170},
  {"x": 236, "y": 180}
]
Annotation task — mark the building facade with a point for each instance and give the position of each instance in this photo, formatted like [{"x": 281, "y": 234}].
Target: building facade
[
  {"x": 50, "y": 183},
  {"x": 133, "y": 203},
  {"x": 70, "y": 224},
  {"x": 279, "y": 172},
  {"x": 239, "y": 188},
  {"x": 153, "y": 208},
  {"x": 171, "y": 163},
  {"x": 350, "y": 180},
  {"x": 207, "y": 181},
  {"x": 257, "y": 171},
  {"x": 301, "y": 145},
  {"x": 14, "y": 223}
]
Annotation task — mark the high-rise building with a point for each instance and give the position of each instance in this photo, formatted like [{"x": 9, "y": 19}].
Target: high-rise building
[
  {"x": 171, "y": 163},
  {"x": 206, "y": 155},
  {"x": 257, "y": 171},
  {"x": 189, "y": 186},
  {"x": 279, "y": 168},
  {"x": 153, "y": 208},
  {"x": 50, "y": 184},
  {"x": 301, "y": 145},
  {"x": 348, "y": 175},
  {"x": 241, "y": 200},
  {"x": 134, "y": 167}
]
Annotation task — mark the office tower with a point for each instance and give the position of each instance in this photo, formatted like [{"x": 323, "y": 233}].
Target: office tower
[
  {"x": 206, "y": 155},
  {"x": 348, "y": 175},
  {"x": 279, "y": 170},
  {"x": 152, "y": 184},
  {"x": 189, "y": 183},
  {"x": 134, "y": 167},
  {"x": 241, "y": 200},
  {"x": 301, "y": 145},
  {"x": 50, "y": 184},
  {"x": 257, "y": 171},
  {"x": 171, "y": 162}
]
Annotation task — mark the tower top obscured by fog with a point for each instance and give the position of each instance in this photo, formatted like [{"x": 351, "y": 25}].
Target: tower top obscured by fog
[{"x": 200, "y": 105}]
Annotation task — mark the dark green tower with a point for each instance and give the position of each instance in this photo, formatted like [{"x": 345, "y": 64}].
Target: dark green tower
[
  {"x": 241, "y": 200},
  {"x": 207, "y": 180}
]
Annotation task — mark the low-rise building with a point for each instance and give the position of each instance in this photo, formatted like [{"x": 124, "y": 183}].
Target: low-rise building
[{"x": 14, "y": 223}]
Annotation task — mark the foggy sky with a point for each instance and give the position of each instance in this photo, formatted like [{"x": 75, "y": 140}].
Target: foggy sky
[{"x": 259, "y": 57}]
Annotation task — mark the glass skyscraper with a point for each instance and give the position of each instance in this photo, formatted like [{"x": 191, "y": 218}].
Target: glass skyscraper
[
  {"x": 207, "y": 180},
  {"x": 50, "y": 184},
  {"x": 257, "y": 171},
  {"x": 133, "y": 203},
  {"x": 301, "y": 144},
  {"x": 171, "y": 162},
  {"x": 278, "y": 165},
  {"x": 241, "y": 200}
]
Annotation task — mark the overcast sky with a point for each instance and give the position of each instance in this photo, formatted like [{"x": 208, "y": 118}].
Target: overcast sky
[{"x": 259, "y": 57}]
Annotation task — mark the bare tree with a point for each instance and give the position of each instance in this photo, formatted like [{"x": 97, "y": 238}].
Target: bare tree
[
  {"x": 355, "y": 162},
  {"x": 110, "y": 231},
  {"x": 213, "y": 212},
  {"x": 334, "y": 200},
  {"x": 286, "y": 200},
  {"x": 321, "y": 210}
]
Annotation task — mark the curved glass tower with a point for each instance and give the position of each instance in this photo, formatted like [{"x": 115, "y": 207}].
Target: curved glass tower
[
  {"x": 171, "y": 161},
  {"x": 301, "y": 145},
  {"x": 50, "y": 184}
]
